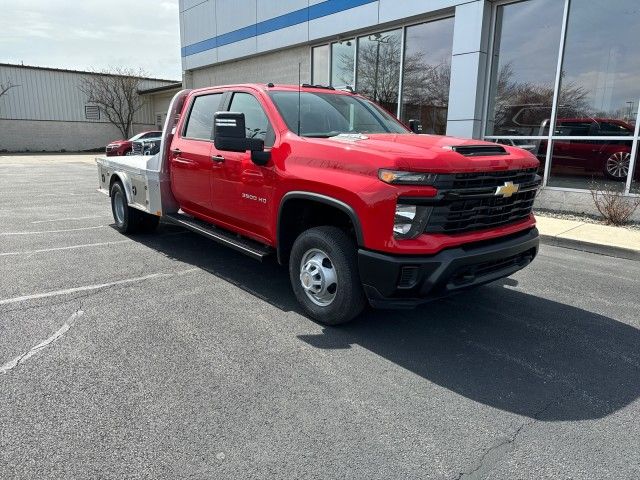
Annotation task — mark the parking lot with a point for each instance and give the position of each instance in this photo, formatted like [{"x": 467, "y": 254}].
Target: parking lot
[{"x": 167, "y": 355}]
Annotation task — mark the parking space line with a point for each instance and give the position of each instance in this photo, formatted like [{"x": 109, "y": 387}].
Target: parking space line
[
  {"x": 98, "y": 286},
  {"x": 70, "y": 247},
  {"x": 52, "y": 231},
  {"x": 67, "y": 219},
  {"x": 11, "y": 364}
]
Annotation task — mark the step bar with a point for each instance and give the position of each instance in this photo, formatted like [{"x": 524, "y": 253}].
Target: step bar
[{"x": 244, "y": 245}]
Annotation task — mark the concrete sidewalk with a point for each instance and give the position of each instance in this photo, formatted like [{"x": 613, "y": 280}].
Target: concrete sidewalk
[{"x": 590, "y": 237}]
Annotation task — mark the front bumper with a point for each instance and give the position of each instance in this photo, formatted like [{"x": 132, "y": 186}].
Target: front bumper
[{"x": 400, "y": 281}]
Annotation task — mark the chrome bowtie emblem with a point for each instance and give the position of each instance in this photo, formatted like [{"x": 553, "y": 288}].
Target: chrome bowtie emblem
[{"x": 508, "y": 189}]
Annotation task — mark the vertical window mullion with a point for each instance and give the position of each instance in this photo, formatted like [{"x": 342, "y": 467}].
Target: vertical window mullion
[
  {"x": 355, "y": 62},
  {"x": 488, "y": 80},
  {"x": 556, "y": 94},
  {"x": 634, "y": 154},
  {"x": 403, "y": 39}
]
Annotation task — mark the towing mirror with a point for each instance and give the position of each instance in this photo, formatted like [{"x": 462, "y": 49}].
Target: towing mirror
[
  {"x": 230, "y": 135},
  {"x": 415, "y": 126}
]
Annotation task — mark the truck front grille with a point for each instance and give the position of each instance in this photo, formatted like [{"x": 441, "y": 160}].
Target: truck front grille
[{"x": 469, "y": 201}]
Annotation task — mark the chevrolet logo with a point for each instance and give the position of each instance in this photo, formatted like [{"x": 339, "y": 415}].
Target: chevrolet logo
[{"x": 508, "y": 189}]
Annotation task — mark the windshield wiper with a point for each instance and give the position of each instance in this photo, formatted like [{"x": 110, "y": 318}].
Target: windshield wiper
[{"x": 323, "y": 135}]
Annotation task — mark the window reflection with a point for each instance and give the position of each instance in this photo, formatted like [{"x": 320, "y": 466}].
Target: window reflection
[
  {"x": 320, "y": 69},
  {"x": 342, "y": 63},
  {"x": 426, "y": 74},
  {"x": 577, "y": 163},
  {"x": 526, "y": 44},
  {"x": 635, "y": 179},
  {"x": 601, "y": 65},
  {"x": 378, "y": 71}
]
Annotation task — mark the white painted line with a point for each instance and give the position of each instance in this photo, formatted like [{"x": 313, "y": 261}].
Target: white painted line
[
  {"x": 99, "y": 286},
  {"x": 67, "y": 219},
  {"x": 52, "y": 231},
  {"x": 71, "y": 247},
  {"x": 11, "y": 364}
]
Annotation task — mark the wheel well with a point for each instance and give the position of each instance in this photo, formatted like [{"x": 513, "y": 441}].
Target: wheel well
[
  {"x": 114, "y": 178},
  {"x": 300, "y": 214}
]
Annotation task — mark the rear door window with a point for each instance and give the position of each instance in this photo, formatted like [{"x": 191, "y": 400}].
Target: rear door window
[{"x": 200, "y": 122}]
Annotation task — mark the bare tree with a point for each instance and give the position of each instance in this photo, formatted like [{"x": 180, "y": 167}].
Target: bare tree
[
  {"x": 524, "y": 106},
  {"x": 6, "y": 86},
  {"x": 115, "y": 92}
]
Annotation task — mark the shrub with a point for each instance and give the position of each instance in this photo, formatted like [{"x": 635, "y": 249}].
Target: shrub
[{"x": 613, "y": 205}]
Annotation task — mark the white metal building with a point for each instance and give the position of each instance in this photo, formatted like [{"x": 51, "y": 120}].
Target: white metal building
[
  {"x": 499, "y": 70},
  {"x": 46, "y": 111}
]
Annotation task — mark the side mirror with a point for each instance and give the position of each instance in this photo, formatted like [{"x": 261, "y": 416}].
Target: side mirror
[
  {"x": 230, "y": 135},
  {"x": 415, "y": 126}
]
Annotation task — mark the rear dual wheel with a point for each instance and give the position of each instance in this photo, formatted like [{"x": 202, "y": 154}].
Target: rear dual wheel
[
  {"x": 128, "y": 219},
  {"x": 323, "y": 270}
]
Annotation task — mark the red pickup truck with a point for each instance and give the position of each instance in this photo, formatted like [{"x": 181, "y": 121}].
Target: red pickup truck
[{"x": 360, "y": 208}]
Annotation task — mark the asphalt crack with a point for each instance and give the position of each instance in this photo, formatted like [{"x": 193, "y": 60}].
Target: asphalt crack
[
  {"x": 20, "y": 359},
  {"x": 495, "y": 453}
]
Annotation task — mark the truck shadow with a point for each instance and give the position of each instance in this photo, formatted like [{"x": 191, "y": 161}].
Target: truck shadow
[{"x": 495, "y": 345}]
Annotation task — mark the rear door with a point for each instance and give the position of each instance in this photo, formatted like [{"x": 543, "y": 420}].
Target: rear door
[
  {"x": 191, "y": 162},
  {"x": 242, "y": 192}
]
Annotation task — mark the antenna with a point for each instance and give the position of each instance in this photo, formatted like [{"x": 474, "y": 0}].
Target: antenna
[{"x": 299, "y": 93}]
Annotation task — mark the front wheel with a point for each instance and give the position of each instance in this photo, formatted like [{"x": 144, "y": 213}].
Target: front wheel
[{"x": 323, "y": 269}]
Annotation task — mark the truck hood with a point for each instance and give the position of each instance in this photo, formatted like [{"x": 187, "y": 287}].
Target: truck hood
[{"x": 431, "y": 153}]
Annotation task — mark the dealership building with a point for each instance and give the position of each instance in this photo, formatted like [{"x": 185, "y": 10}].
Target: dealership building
[{"x": 560, "y": 78}]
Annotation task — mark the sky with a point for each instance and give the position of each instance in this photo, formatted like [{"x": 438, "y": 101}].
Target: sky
[{"x": 92, "y": 34}]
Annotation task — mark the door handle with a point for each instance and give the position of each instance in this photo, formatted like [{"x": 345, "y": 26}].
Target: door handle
[
  {"x": 217, "y": 158},
  {"x": 176, "y": 151}
]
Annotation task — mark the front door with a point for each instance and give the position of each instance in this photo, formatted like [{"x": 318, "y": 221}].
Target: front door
[
  {"x": 242, "y": 192},
  {"x": 191, "y": 150}
]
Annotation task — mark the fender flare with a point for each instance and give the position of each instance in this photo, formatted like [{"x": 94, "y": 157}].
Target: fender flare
[
  {"x": 126, "y": 183},
  {"x": 317, "y": 197}
]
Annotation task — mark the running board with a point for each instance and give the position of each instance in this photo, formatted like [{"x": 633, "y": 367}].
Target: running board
[{"x": 241, "y": 244}]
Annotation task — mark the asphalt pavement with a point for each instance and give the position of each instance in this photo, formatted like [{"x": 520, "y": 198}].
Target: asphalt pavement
[{"x": 169, "y": 356}]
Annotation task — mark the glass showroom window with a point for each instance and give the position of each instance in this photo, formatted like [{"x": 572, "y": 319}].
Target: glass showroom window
[
  {"x": 378, "y": 68},
  {"x": 426, "y": 73},
  {"x": 343, "y": 56},
  {"x": 320, "y": 65},
  {"x": 523, "y": 68},
  {"x": 598, "y": 96}
]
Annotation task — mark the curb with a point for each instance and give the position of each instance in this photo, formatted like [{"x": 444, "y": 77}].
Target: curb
[{"x": 597, "y": 248}]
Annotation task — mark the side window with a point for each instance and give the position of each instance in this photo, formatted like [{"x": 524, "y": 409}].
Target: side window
[
  {"x": 200, "y": 121},
  {"x": 256, "y": 121}
]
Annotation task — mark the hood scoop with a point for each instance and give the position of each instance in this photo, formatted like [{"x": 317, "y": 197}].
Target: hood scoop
[{"x": 478, "y": 150}]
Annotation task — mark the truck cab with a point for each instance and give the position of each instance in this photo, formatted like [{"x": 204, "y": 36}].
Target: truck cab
[{"x": 359, "y": 208}]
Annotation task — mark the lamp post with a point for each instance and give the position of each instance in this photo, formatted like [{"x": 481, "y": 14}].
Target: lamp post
[{"x": 378, "y": 38}]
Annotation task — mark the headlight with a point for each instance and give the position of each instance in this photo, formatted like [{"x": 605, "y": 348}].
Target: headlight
[
  {"x": 397, "y": 177},
  {"x": 410, "y": 220}
]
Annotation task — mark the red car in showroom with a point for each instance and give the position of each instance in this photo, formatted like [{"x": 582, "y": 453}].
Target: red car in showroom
[
  {"x": 608, "y": 157},
  {"x": 118, "y": 148}
]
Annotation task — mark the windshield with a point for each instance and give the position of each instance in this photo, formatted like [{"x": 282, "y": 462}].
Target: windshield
[
  {"x": 136, "y": 137},
  {"x": 326, "y": 114}
]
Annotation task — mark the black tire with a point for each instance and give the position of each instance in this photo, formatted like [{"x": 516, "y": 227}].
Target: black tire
[
  {"x": 347, "y": 299},
  {"x": 128, "y": 219}
]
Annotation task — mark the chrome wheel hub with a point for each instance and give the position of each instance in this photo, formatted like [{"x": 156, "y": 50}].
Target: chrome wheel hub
[
  {"x": 318, "y": 277},
  {"x": 618, "y": 164},
  {"x": 118, "y": 207}
]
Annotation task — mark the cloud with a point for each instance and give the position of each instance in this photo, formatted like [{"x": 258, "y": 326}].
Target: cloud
[{"x": 93, "y": 34}]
